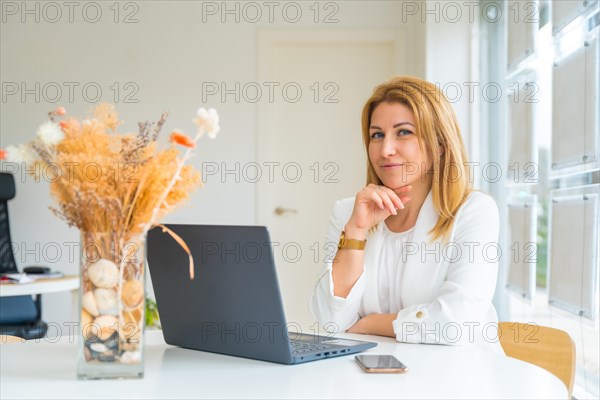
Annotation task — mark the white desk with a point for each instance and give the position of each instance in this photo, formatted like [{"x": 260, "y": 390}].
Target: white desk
[
  {"x": 41, "y": 286},
  {"x": 47, "y": 370},
  {"x": 44, "y": 286}
]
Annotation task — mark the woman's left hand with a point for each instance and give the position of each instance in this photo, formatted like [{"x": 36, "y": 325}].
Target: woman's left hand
[
  {"x": 375, "y": 324},
  {"x": 360, "y": 326}
]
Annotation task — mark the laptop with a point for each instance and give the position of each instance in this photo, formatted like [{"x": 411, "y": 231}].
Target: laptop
[{"x": 233, "y": 305}]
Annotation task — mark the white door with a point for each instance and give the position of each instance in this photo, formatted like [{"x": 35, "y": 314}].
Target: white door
[{"x": 310, "y": 145}]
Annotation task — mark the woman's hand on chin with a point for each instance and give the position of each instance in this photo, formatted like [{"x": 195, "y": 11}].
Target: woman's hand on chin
[{"x": 373, "y": 204}]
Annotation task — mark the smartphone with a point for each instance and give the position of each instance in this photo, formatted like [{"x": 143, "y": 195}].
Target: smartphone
[{"x": 380, "y": 363}]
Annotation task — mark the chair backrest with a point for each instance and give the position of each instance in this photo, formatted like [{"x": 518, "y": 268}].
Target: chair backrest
[
  {"x": 13, "y": 309},
  {"x": 7, "y": 192},
  {"x": 548, "y": 348}
]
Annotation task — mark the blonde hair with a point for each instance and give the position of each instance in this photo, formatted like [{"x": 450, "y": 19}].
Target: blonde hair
[{"x": 437, "y": 126}]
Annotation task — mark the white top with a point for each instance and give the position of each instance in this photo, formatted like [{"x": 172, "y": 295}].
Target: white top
[
  {"x": 46, "y": 369},
  {"x": 443, "y": 291},
  {"x": 392, "y": 266}
]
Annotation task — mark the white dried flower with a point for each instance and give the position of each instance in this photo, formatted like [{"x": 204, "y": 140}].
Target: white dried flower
[
  {"x": 22, "y": 154},
  {"x": 50, "y": 133},
  {"x": 207, "y": 122}
]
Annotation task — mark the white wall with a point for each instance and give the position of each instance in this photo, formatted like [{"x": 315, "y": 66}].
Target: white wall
[
  {"x": 168, "y": 54},
  {"x": 449, "y": 50}
]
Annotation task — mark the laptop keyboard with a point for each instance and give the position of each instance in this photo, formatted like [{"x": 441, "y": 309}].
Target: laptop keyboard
[{"x": 299, "y": 347}]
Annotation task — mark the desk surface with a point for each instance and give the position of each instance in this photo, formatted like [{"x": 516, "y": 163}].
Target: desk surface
[
  {"x": 46, "y": 369},
  {"x": 41, "y": 286}
]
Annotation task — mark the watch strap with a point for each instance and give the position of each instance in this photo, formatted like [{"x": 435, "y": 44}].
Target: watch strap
[{"x": 355, "y": 244}]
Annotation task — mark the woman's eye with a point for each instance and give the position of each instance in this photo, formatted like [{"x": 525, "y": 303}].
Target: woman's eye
[
  {"x": 377, "y": 135},
  {"x": 404, "y": 132}
]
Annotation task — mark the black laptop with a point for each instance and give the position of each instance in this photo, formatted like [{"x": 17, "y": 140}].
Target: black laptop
[{"x": 233, "y": 305}]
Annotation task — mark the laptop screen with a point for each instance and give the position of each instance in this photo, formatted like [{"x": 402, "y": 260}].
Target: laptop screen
[{"x": 233, "y": 305}]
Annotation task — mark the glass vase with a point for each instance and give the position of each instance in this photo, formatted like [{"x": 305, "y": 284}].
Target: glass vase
[{"x": 112, "y": 306}]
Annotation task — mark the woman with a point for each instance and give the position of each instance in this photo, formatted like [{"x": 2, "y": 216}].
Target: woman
[{"x": 417, "y": 253}]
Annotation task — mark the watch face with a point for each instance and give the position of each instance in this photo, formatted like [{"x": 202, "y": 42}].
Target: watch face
[{"x": 342, "y": 240}]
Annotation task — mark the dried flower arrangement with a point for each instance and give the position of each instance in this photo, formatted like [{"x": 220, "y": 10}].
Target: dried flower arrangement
[
  {"x": 114, "y": 188},
  {"x": 108, "y": 182}
]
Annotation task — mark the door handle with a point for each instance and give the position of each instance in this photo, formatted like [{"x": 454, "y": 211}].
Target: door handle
[{"x": 281, "y": 211}]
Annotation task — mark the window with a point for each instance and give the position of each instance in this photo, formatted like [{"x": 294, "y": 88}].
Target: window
[{"x": 545, "y": 55}]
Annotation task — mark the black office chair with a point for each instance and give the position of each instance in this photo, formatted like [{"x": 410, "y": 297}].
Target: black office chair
[{"x": 19, "y": 315}]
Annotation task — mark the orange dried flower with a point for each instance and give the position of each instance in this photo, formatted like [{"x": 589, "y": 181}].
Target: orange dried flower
[
  {"x": 182, "y": 139},
  {"x": 106, "y": 115},
  {"x": 70, "y": 125},
  {"x": 111, "y": 182},
  {"x": 60, "y": 111}
]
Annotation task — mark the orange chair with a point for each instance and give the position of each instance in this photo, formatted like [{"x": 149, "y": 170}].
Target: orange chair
[{"x": 549, "y": 348}]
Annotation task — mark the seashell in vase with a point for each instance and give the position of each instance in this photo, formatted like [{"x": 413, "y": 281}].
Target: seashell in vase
[
  {"x": 107, "y": 301},
  {"x": 112, "y": 295},
  {"x": 132, "y": 316},
  {"x": 131, "y": 325},
  {"x": 130, "y": 271},
  {"x": 133, "y": 293},
  {"x": 88, "y": 302},
  {"x": 132, "y": 334},
  {"x": 98, "y": 347},
  {"x": 131, "y": 357},
  {"x": 86, "y": 320},
  {"x": 103, "y": 273},
  {"x": 105, "y": 326}
]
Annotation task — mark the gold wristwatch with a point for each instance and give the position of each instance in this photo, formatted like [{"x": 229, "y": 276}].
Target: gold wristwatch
[{"x": 355, "y": 244}]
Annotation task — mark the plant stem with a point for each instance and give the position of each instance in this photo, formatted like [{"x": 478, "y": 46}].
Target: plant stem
[{"x": 163, "y": 197}]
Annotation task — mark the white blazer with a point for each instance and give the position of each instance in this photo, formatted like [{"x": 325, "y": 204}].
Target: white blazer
[{"x": 446, "y": 289}]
